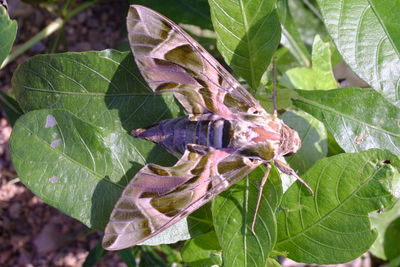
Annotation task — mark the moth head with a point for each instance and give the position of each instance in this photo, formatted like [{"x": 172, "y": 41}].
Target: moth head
[{"x": 290, "y": 141}]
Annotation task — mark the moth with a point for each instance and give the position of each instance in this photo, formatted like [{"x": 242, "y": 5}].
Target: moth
[{"x": 226, "y": 135}]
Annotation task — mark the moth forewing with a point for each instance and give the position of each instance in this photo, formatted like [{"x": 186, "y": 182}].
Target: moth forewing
[{"x": 226, "y": 135}]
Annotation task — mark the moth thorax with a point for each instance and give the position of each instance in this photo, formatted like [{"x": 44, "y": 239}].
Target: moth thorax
[{"x": 290, "y": 141}]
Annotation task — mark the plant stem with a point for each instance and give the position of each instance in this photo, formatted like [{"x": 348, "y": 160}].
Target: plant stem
[
  {"x": 51, "y": 28},
  {"x": 79, "y": 9}
]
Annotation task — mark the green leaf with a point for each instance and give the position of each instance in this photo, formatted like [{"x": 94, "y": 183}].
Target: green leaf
[
  {"x": 10, "y": 107},
  {"x": 104, "y": 91},
  {"x": 193, "y": 12},
  {"x": 104, "y": 88},
  {"x": 76, "y": 166},
  {"x": 107, "y": 97},
  {"x": 307, "y": 20},
  {"x": 333, "y": 146},
  {"x": 272, "y": 263},
  {"x": 200, "y": 222},
  {"x": 95, "y": 255},
  {"x": 332, "y": 226},
  {"x": 233, "y": 213},
  {"x": 319, "y": 76},
  {"x": 171, "y": 254},
  {"x": 381, "y": 221},
  {"x": 290, "y": 36},
  {"x": 151, "y": 257},
  {"x": 366, "y": 33},
  {"x": 313, "y": 137},
  {"x": 128, "y": 256},
  {"x": 202, "y": 251},
  {"x": 387, "y": 12},
  {"x": 8, "y": 31},
  {"x": 392, "y": 236},
  {"x": 284, "y": 60},
  {"x": 359, "y": 119},
  {"x": 248, "y": 34},
  {"x": 393, "y": 263}
]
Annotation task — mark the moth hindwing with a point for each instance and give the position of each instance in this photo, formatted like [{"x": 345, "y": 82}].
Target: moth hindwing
[{"x": 225, "y": 136}]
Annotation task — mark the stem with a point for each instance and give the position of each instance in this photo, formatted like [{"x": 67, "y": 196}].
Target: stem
[
  {"x": 79, "y": 9},
  {"x": 313, "y": 9},
  {"x": 64, "y": 11},
  {"x": 46, "y": 32}
]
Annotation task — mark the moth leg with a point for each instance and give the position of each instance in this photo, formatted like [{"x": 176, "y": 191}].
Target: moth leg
[
  {"x": 260, "y": 190},
  {"x": 286, "y": 169},
  {"x": 274, "y": 92}
]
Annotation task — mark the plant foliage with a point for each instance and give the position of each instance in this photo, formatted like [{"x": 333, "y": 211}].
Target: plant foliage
[{"x": 71, "y": 146}]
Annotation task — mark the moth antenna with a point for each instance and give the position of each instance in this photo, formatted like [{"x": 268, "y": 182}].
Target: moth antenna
[
  {"x": 260, "y": 190},
  {"x": 274, "y": 92}
]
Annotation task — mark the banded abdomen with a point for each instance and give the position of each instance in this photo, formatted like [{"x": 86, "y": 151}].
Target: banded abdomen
[{"x": 175, "y": 134}]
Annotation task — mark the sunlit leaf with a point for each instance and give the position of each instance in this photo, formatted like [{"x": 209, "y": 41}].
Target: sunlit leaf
[
  {"x": 319, "y": 76},
  {"x": 290, "y": 35},
  {"x": 313, "y": 135},
  {"x": 332, "y": 226},
  {"x": 106, "y": 98},
  {"x": 366, "y": 33},
  {"x": 233, "y": 213},
  {"x": 104, "y": 88},
  {"x": 359, "y": 119},
  {"x": 203, "y": 251},
  {"x": 248, "y": 34}
]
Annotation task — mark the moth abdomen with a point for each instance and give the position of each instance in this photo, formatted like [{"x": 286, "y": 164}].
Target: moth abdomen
[{"x": 175, "y": 134}]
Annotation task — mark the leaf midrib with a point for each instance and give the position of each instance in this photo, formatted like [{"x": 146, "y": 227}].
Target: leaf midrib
[
  {"x": 88, "y": 94},
  {"x": 98, "y": 176},
  {"x": 340, "y": 114},
  {"x": 317, "y": 222},
  {"x": 246, "y": 28},
  {"x": 384, "y": 28}
]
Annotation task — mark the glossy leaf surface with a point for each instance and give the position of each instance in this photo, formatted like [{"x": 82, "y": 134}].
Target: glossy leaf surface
[
  {"x": 366, "y": 33},
  {"x": 104, "y": 88},
  {"x": 194, "y": 12},
  {"x": 381, "y": 221},
  {"x": 248, "y": 34},
  {"x": 359, "y": 119},
  {"x": 203, "y": 251},
  {"x": 74, "y": 165},
  {"x": 313, "y": 135},
  {"x": 233, "y": 213},
  {"x": 333, "y": 225},
  {"x": 290, "y": 35},
  {"x": 319, "y": 76},
  {"x": 106, "y": 98}
]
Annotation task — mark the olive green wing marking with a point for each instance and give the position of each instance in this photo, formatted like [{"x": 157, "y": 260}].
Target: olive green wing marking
[
  {"x": 170, "y": 60},
  {"x": 158, "y": 197}
]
